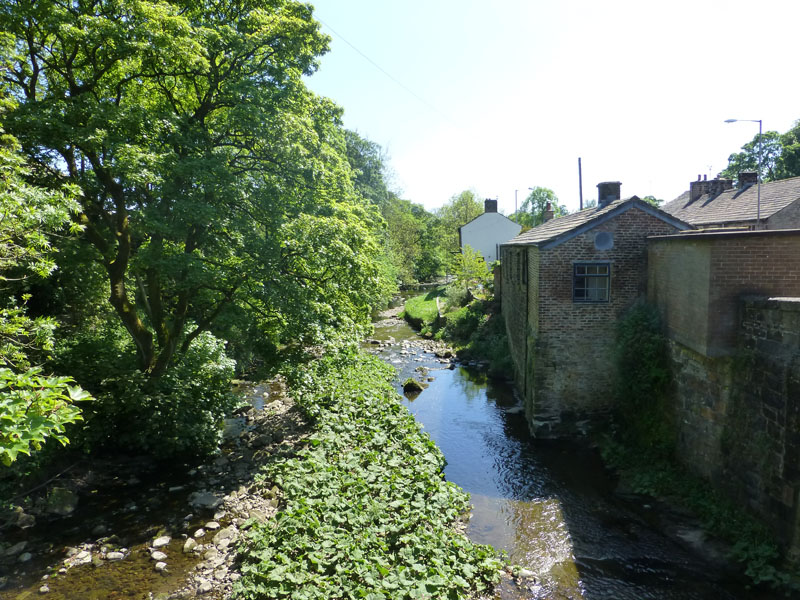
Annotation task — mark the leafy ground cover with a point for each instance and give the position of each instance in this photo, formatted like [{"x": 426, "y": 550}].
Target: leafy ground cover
[
  {"x": 421, "y": 311},
  {"x": 367, "y": 513}
]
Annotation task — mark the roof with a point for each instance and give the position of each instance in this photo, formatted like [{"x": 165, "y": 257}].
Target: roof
[
  {"x": 556, "y": 231},
  {"x": 735, "y": 205},
  {"x": 485, "y": 213}
]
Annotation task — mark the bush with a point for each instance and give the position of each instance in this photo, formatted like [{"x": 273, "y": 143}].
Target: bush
[{"x": 177, "y": 414}]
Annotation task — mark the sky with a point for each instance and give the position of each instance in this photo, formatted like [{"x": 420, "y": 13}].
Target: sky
[{"x": 506, "y": 95}]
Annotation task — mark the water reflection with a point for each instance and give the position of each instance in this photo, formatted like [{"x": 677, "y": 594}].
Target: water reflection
[{"x": 549, "y": 504}]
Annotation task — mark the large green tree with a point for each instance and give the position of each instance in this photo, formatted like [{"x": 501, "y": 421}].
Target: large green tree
[
  {"x": 779, "y": 156},
  {"x": 532, "y": 211},
  {"x": 210, "y": 177},
  {"x": 458, "y": 211}
]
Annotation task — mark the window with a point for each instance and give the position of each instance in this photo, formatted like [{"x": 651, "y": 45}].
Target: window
[{"x": 591, "y": 282}]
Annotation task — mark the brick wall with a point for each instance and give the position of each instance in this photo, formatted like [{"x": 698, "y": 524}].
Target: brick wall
[
  {"x": 570, "y": 358},
  {"x": 697, "y": 279},
  {"x": 514, "y": 303}
]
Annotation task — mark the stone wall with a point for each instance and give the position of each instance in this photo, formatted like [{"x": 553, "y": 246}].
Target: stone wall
[
  {"x": 514, "y": 303},
  {"x": 739, "y": 415}
]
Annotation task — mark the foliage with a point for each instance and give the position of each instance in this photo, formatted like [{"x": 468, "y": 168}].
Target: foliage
[
  {"x": 33, "y": 408},
  {"x": 176, "y": 415},
  {"x": 212, "y": 181},
  {"x": 368, "y": 513},
  {"x": 458, "y": 211},
  {"x": 642, "y": 379},
  {"x": 780, "y": 156},
  {"x": 470, "y": 270},
  {"x": 478, "y": 332},
  {"x": 653, "y": 200},
  {"x": 747, "y": 160},
  {"x": 751, "y": 543},
  {"x": 533, "y": 208}
]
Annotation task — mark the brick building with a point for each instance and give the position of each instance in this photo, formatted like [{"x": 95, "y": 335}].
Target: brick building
[
  {"x": 565, "y": 283},
  {"x": 716, "y": 203}
]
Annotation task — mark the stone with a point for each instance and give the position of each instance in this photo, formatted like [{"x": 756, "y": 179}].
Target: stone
[
  {"x": 162, "y": 541},
  {"x": 25, "y": 557},
  {"x": 44, "y": 589},
  {"x": 16, "y": 548},
  {"x": 212, "y": 525},
  {"x": 205, "y": 587},
  {"x": 99, "y": 530},
  {"x": 83, "y": 557},
  {"x": 158, "y": 556},
  {"x": 206, "y": 500},
  {"x": 160, "y": 566},
  {"x": 526, "y": 574},
  {"x": 61, "y": 501},
  {"x": 199, "y": 533},
  {"x": 224, "y": 534},
  {"x": 189, "y": 545},
  {"x": 112, "y": 556}
]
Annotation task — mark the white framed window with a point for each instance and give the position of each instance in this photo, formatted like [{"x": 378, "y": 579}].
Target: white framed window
[{"x": 591, "y": 282}]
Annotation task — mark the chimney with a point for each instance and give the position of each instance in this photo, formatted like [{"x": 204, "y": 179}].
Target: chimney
[
  {"x": 747, "y": 178},
  {"x": 713, "y": 188},
  {"x": 489, "y": 205},
  {"x": 548, "y": 212},
  {"x": 608, "y": 192}
]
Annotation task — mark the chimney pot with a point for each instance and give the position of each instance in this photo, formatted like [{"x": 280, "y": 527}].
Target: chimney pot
[
  {"x": 548, "y": 212},
  {"x": 490, "y": 206}
]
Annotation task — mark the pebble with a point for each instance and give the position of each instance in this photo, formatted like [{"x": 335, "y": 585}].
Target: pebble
[
  {"x": 162, "y": 541},
  {"x": 115, "y": 556},
  {"x": 205, "y": 587},
  {"x": 199, "y": 533},
  {"x": 16, "y": 548},
  {"x": 212, "y": 525},
  {"x": 44, "y": 589},
  {"x": 25, "y": 557},
  {"x": 161, "y": 566},
  {"x": 189, "y": 545},
  {"x": 158, "y": 556}
]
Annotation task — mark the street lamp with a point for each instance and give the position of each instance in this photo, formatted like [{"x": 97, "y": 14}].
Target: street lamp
[{"x": 758, "y": 178}]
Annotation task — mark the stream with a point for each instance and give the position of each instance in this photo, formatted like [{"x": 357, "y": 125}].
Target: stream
[{"x": 551, "y": 505}]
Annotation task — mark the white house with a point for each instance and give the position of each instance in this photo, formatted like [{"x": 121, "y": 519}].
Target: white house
[{"x": 486, "y": 232}]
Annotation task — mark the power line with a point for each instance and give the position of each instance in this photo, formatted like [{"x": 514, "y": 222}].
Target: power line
[{"x": 386, "y": 73}]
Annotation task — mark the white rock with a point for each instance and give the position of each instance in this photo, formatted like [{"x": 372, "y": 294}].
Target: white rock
[
  {"x": 189, "y": 545},
  {"x": 162, "y": 541},
  {"x": 199, "y": 533},
  {"x": 161, "y": 566},
  {"x": 212, "y": 525},
  {"x": 205, "y": 587},
  {"x": 115, "y": 556},
  {"x": 158, "y": 556},
  {"x": 44, "y": 589},
  {"x": 26, "y": 556}
]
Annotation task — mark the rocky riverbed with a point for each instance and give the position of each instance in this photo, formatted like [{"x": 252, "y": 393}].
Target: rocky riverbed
[{"x": 124, "y": 528}]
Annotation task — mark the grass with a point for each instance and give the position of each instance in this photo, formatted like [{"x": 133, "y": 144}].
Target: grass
[{"x": 421, "y": 311}]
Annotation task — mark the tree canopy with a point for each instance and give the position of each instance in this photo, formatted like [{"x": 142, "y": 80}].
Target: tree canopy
[
  {"x": 210, "y": 177},
  {"x": 533, "y": 208},
  {"x": 779, "y": 152}
]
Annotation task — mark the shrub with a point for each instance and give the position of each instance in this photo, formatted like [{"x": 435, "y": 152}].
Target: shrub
[{"x": 177, "y": 414}]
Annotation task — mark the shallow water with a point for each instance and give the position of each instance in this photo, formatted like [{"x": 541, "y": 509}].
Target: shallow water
[{"x": 550, "y": 504}]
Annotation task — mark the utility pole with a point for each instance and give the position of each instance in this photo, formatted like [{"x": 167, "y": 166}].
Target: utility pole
[
  {"x": 515, "y": 201},
  {"x": 580, "y": 183}
]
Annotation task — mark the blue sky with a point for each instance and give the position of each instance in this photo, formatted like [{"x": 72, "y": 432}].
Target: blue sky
[{"x": 505, "y": 95}]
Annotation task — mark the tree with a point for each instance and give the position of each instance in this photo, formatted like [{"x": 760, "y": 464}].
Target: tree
[
  {"x": 747, "y": 160},
  {"x": 471, "y": 270},
  {"x": 789, "y": 162},
  {"x": 532, "y": 210},
  {"x": 33, "y": 406},
  {"x": 458, "y": 211},
  {"x": 211, "y": 179}
]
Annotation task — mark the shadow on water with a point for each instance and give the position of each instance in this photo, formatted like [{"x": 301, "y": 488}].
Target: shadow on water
[{"x": 551, "y": 505}]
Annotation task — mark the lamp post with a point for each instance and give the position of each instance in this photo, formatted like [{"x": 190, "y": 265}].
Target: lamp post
[{"x": 758, "y": 179}]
